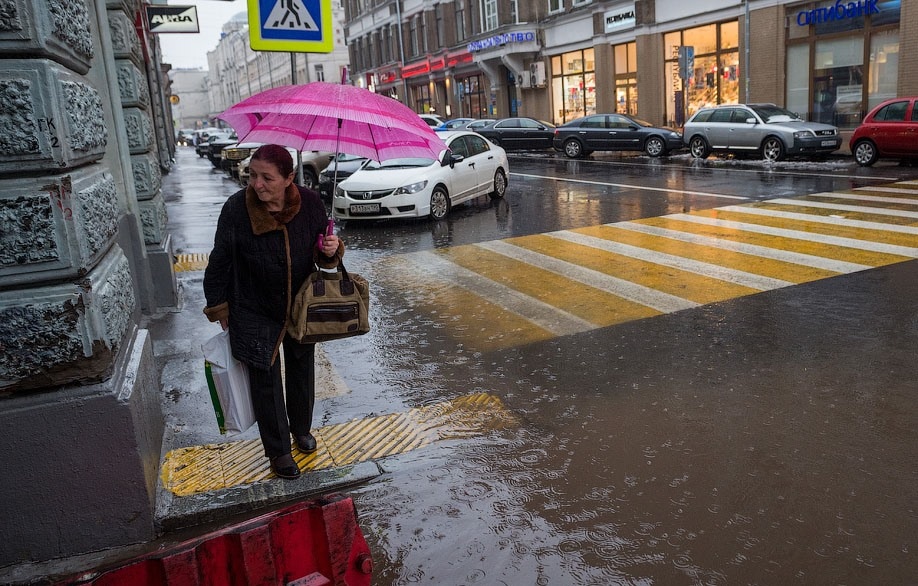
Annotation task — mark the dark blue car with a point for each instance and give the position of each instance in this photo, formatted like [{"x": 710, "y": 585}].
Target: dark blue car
[{"x": 614, "y": 132}]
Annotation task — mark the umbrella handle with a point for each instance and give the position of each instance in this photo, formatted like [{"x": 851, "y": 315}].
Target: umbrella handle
[{"x": 329, "y": 230}]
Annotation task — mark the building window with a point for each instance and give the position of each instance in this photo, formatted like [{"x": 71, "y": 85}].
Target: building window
[
  {"x": 714, "y": 78},
  {"x": 413, "y": 34},
  {"x": 514, "y": 12},
  {"x": 422, "y": 98},
  {"x": 441, "y": 33},
  {"x": 573, "y": 85},
  {"x": 839, "y": 69},
  {"x": 625, "y": 78},
  {"x": 460, "y": 20},
  {"x": 320, "y": 72},
  {"x": 555, "y": 6},
  {"x": 472, "y": 103},
  {"x": 489, "y": 14}
]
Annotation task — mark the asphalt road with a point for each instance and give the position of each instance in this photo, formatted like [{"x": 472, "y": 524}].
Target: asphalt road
[{"x": 735, "y": 405}]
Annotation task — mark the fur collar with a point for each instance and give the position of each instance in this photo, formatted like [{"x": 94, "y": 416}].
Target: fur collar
[{"x": 264, "y": 221}]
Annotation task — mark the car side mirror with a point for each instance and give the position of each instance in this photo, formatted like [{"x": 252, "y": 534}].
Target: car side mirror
[{"x": 750, "y": 120}]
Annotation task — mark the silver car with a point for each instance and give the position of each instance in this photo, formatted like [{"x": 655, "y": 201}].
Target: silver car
[{"x": 767, "y": 129}]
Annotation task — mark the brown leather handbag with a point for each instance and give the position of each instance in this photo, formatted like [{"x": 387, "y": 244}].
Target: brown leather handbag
[{"x": 329, "y": 306}]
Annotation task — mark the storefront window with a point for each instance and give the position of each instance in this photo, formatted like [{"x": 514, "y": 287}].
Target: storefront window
[
  {"x": 573, "y": 85},
  {"x": 714, "y": 78},
  {"x": 472, "y": 103},
  {"x": 884, "y": 67},
  {"x": 626, "y": 78},
  {"x": 830, "y": 70},
  {"x": 421, "y": 98}
]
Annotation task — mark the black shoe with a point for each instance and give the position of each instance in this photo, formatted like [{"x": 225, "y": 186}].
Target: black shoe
[
  {"x": 306, "y": 443},
  {"x": 285, "y": 467}
]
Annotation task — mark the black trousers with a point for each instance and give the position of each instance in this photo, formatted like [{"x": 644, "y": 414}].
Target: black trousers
[{"x": 276, "y": 418}]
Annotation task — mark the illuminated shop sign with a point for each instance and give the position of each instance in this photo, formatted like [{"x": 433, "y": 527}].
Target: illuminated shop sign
[
  {"x": 501, "y": 40},
  {"x": 621, "y": 18},
  {"x": 838, "y": 11}
]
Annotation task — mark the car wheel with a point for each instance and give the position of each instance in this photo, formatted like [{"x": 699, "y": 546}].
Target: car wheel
[
  {"x": 573, "y": 148},
  {"x": 773, "y": 149},
  {"x": 655, "y": 147},
  {"x": 500, "y": 184},
  {"x": 865, "y": 153},
  {"x": 699, "y": 147},
  {"x": 310, "y": 180},
  {"x": 439, "y": 203}
]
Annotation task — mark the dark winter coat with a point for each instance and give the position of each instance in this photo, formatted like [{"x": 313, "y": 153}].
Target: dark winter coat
[{"x": 258, "y": 264}]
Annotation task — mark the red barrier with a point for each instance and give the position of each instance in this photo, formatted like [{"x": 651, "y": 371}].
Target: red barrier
[{"x": 314, "y": 543}]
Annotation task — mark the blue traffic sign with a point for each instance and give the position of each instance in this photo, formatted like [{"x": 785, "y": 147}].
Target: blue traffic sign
[{"x": 297, "y": 26}]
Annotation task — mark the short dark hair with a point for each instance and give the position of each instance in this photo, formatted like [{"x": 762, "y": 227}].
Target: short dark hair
[{"x": 277, "y": 156}]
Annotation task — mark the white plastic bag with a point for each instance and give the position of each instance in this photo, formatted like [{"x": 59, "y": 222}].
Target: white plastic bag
[{"x": 228, "y": 380}]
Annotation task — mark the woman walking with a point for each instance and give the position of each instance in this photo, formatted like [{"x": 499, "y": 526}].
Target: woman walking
[{"x": 270, "y": 236}]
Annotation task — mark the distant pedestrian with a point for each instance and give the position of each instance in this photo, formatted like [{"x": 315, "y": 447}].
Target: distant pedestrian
[{"x": 265, "y": 246}]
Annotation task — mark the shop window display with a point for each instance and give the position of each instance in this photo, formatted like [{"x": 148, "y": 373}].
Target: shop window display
[
  {"x": 714, "y": 78},
  {"x": 573, "y": 85}
]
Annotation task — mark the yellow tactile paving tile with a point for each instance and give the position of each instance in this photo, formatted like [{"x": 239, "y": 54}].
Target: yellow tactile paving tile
[
  {"x": 200, "y": 469},
  {"x": 190, "y": 262}
]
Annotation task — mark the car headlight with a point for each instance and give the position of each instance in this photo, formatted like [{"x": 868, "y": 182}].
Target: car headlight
[
  {"x": 675, "y": 134},
  {"x": 804, "y": 134},
  {"x": 339, "y": 192},
  {"x": 412, "y": 188}
]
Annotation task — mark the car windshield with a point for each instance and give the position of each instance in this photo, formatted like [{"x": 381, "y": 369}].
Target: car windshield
[
  {"x": 771, "y": 114},
  {"x": 643, "y": 123},
  {"x": 399, "y": 164}
]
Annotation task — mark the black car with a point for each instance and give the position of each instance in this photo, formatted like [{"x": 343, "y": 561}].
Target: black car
[
  {"x": 519, "y": 133},
  {"x": 345, "y": 165},
  {"x": 614, "y": 132}
]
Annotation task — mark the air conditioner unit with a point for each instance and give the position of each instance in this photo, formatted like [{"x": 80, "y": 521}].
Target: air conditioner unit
[
  {"x": 525, "y": 79},
  {"x": 537, "y": 74}
]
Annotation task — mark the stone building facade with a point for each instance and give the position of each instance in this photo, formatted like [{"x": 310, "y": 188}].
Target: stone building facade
[
  {"x": 84, "y": 253},
  {"x": 557, "y": 60}
]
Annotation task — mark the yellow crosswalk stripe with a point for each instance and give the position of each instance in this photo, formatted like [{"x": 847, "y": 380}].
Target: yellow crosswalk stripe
[{"x": 570, "y": 281}]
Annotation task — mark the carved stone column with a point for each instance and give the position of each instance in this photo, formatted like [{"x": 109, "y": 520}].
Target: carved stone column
[
  {"x": 79, "y": 393},
  {"x": 144, "y": 121}
]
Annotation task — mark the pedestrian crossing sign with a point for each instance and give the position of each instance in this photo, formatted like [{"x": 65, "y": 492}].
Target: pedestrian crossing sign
[{"x": 295, "y": 26}]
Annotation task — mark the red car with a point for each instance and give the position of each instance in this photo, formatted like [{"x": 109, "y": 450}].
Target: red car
[{"x": 889, "y": 130}]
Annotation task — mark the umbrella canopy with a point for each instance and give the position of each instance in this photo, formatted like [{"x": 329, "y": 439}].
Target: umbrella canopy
[{"x": 334, "y": 117}]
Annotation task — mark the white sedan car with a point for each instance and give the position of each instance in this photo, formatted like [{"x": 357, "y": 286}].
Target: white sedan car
[{"x": 418, "y": 187}]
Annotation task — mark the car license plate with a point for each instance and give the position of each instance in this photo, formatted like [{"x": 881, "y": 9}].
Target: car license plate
[
  {"x": 829, "y": 143},
  {"x": 365, "y": 208}
]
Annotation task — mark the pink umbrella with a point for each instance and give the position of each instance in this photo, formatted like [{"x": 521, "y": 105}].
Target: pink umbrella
[{"x": 333, "y": 117}]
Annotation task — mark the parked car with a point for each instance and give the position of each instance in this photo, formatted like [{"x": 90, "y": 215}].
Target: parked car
[
  {"x": 313, "y": 163},
  {"x": 215, "y": 145},
  {"x": 476, "y": 125},
  {"x": 340, "y": 168},
  {"x": 519, "y": 133},
  {"x": 432, "y": 120},
  {"x": 201, "y": 136},
  {"x": 419, "y": 187},
  {"x": 234, "y": 154},
  {"x": 614, "y": 132},
  {"x": 454, "y": 124},
  {"x": 184, "y": 137},
  {"x": 764, "y": 128},
  {"x": 890, "y": 130}
]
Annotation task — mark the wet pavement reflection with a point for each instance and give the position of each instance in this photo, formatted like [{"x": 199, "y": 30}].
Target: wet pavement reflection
[{"x": 768, "y": 439}]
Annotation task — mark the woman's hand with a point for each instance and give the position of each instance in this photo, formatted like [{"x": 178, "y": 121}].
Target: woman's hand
[{"x": 329, "y": 245}]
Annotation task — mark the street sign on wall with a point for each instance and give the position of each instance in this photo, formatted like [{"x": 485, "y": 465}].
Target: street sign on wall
[
  {"x": 172, "y": 19},
  {"x": 296, "y": 26}
]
